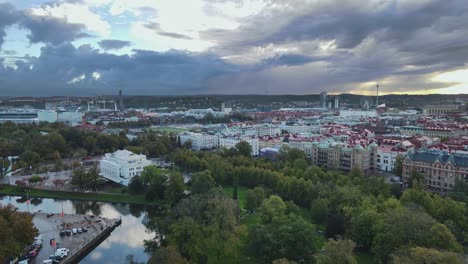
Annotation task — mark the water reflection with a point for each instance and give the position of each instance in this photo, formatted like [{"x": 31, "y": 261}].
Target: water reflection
[{"x": 125, "y": 240}]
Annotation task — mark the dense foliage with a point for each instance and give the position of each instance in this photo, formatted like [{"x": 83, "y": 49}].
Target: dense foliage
[
  {"x": 374, "y": 216},
  {"x": 16, "y": 232}
]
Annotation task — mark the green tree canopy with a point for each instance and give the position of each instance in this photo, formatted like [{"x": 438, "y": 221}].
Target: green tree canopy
[{"x": 337, "y": 251}]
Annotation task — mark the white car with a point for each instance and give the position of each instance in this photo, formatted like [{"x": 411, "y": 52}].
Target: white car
[
  {"x": 66, "y": 250},
  {"x": 74, "y": 231}
]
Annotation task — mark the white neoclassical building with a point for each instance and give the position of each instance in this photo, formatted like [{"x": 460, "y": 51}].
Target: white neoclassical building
[{"x": 122, "y": 165}]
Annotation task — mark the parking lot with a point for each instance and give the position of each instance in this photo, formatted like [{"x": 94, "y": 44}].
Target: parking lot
[{"x": 50, "y": 227}]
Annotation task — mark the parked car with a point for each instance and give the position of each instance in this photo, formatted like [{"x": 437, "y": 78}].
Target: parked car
[
  {"x": 395, "y": 179},
  {"x": 50, "y": 261},
  {"x": 84, "y": 229},
  {"x": 74, "y": 231},
  {"x": 55, "y": 257},
  {"x": 80, "y": 230},
  {"x": 25, "y": 261},
  {"x": 68, "y": 232},
  {"x": 66, "y": 250},
  {"x": 62, "y": 233}
]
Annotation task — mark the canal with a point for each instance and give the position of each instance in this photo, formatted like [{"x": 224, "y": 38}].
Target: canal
[{"x": 124, "y": 242}]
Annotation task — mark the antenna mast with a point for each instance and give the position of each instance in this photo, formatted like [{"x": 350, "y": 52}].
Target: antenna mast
[{"x": 377, "y": 102}]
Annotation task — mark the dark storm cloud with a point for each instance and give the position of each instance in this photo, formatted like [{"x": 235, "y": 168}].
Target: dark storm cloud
[
  {"x": 43, "y": 29},
  {"x": 8, "y": 16},
  {"x": 373, "y": 40},
  {"x": 143, "y": 72},
  {"x": 52, "y": 30},
  {"x": 113, "y": 44},
  {"x": 157, "y": 29},
  {"x": 289, "y": 60}
]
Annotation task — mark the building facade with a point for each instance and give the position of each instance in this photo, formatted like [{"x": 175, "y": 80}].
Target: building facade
[
  {"x": 122, "y": 165},
  {"x": 230, "y": 142},
  {"x": 339, "y": 156},
  {"x": 199, "y": 141},
  {"x": 386, "y": 158},
  {"x": 440, "y": 169}
]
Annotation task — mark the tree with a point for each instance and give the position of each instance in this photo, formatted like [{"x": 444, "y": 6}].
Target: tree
[
  {"x": 319, "y": 210},
  {"x": 403, "y": 227},
  {"x": 337, "y": 251},
  {"x": 335, "y": 225},
  {"x": 175, "y": 188},
  {"x": 244, "y": 149},
  {"x": 92, "y": 177},
  {"x": 286, "y": 236},
  {"x": 356, "y": 172},
  {"x": 398, "y": 169},
  {"x": 31, "y": 158},
  {"x": 154, "y": 180},
  {"x": 16, "y": 232},
  {"x": 79, "y": 177},
  {"x": 167, "y": 255},
  {"x": 271, "y": 207},
  {"x": 289, "y": 154},
  {"x": 136, "y": 185},
  {"x": 300, "y": 164},
  {"x": 416, "y": 180},
  {"x": 156, "y": 149},
  {"x": 202, "y": 182},
  {"x": 283, "y": 261},
  {"x": 235, "y": 185},
  {"x": 255, "y": 198},
  {"x": 421, "y": 255},
  {"x": 362, "y": 228}
]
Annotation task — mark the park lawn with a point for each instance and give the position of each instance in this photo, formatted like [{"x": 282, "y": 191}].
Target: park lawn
[
  {"x": 100, "y": 197},
  {"x": 169, "y": 129},
  {"x": 251, "y": 219},
  {"x": 241, "y": 193}
]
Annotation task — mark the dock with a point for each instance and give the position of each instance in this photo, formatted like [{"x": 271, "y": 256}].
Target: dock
[{"x": 79, "y": 244}]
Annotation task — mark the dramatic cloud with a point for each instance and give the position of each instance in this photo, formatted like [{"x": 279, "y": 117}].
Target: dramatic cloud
[
  {"x": 65, "y": 70},
  {"x": 113, "y": 44},
  {"x": 8, "y": 16},
  {"x": 157, "y": 29},
  {"x": 236, "y": 46},
  {"x": 52, "y": 30}
]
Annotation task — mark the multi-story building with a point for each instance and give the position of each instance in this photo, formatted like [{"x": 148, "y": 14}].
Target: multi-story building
[
  {"x": 304, "y": 144},
  {"x": 199, "y": 141},
  {"x": 441, "y": 132},
  {"x": 440, "y": 169},
  {"x": 122, "y": 165},
  {"x": 386, "y": 157},
  {"x": 230, "y": 142},
  {"x": 440, "y": 109},
  {"x": 344, "y": 156}
]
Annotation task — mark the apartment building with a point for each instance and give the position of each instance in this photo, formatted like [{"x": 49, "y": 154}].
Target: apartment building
[
  {"x": 344, "y": 156},
  {"x": 440, "y": 169},
  {"x": 230, "y": 142},
  {"x": 199, "y": 141}
]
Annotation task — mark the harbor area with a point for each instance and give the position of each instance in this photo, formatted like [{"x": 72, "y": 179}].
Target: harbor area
[{"x": 76, "y": 235}]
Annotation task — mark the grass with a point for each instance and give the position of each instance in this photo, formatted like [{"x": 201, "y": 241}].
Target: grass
[
  {"x": 251, "y": 219},
  {"x": 100, "y": 197},
  {"x": 241, "y": 193},
  {"x": 169, "y": 129}
]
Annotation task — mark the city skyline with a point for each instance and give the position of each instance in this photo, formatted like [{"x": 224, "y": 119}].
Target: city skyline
[{"x": 168, "y": 47}]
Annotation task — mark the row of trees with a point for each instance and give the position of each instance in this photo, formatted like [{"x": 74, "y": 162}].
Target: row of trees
[
  {"x": 39, "y": 144},
  {"x": 376, "y": 216}
]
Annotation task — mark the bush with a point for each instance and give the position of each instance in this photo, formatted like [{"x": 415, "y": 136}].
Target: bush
[{"x": 35, "y": 179}]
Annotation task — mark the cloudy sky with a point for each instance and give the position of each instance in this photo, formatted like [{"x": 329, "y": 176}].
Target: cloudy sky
[{"x": 166, "y": 47}]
